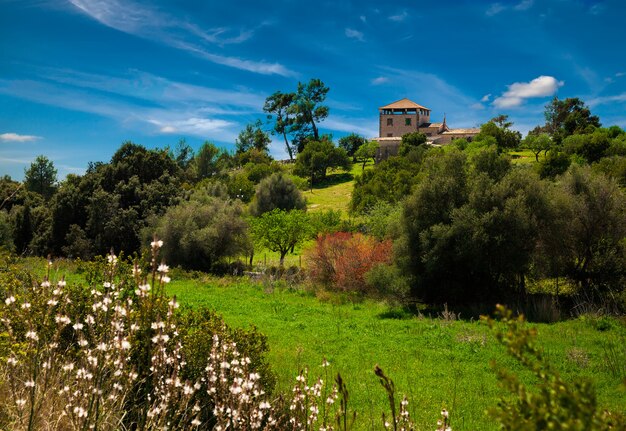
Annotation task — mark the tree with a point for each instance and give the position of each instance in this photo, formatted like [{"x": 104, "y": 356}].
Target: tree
[
  {"x": 365, "y": 152},
  {"x": 554, "y": 164},
  {"x": 389, "y": 181},
  {"x": 205, "y": 161},
  {"x": 490, "y": 162},
  {"x": 41, "y": 177},
  {"x": 308, "y": 108},
  {"x": 591, "y": 146},
  {"x": 568, "y": 117},
  {"x": 253, "y": 137},
  {"x": 280, "y": 231},
  {"x": 6, "y": 232},
  {"x": 276, "y": 191},
  {"x": 200, "y": 233},
  {"x": 280, "y": 105},
  {"x": 594, "y": 233},
  {"x": 183, "y": 155},
  {"x": 411, "y": 141},
  {"x": 317, "y": 158},
  {"x": 351, "y": 144},
  {"x": 499, "y": 128},
  {"x": 538, "y": 143}
]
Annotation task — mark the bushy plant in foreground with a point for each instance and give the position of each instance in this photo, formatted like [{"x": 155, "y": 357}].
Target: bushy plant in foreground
[{"x": 115, "y": 357}]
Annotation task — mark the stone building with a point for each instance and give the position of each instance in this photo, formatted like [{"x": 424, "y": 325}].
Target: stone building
[{"x": 405, "y": 116}]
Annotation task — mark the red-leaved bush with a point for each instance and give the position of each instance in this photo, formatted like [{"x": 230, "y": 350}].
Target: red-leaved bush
[{"x": 340, "y": 260}]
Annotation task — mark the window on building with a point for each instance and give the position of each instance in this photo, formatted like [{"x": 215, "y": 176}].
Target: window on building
[
  {"x": 407, "y": 121},
  {"x": 390, "y": 121},
  {"x": 389, "y": 135}
]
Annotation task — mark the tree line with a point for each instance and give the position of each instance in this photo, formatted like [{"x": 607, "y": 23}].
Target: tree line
[{"x": 467, "y": 224}]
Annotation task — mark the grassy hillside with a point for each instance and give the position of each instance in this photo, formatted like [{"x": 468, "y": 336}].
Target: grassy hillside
[
  {"x": 334, "y": 192},
  {"x": 437, "y": 363}
]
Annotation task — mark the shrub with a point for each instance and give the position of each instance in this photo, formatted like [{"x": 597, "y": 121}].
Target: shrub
[
  {"x": 200, "y": 233},
  {"x": 277, "y": 191},
  {"x": 341, "y": 260},
  {"x": 118, "y": 356}
]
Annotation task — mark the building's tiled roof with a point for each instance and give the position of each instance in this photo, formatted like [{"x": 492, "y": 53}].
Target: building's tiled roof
[
  {"x": 437, "y": 125},
  {"x": 459, "y": 131},
  {"x": 404, "y": 104}
]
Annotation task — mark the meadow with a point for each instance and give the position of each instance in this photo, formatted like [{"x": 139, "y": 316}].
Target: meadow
[{"x": 438, "y": 361}]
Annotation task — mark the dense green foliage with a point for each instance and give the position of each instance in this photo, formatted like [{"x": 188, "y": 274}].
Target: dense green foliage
[
  {"x": 317, "y": 158},
  {"x": 276, "y": 191},
  {"x": 281, "y": 231},
  {"x": 201, "y": 232}
]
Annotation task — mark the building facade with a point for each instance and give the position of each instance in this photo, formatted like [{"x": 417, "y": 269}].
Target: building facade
[{"x": 405, "y": 116}]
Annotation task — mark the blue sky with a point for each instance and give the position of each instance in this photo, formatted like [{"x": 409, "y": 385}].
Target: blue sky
[{"x": 79, "y": 77}]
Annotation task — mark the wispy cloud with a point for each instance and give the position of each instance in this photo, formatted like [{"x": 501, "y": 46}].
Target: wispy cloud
[
  {"x": 435, "y": 93},
  {"x": 597, "y": 9},
  {"x": 195, "y": 126},
  {"x": 524, "y": 5},
  {"x": 485, "y": 98},
  {"x": 399, "y": 17},
  {"x": 518, "y": 92},
  {"x": 607, "y": 99},
  {"x": 380, "y": 80},
  {"x": 497, "y": 8},
  {"x": 139, "y": 20},
  {"x": 494, "y": 9},
  {"x": 361, "y": 126},
  {"x": 15, "y": 137},
  {"x": 158, "y": 105},
  {"x": 355, "y": 34},
  {"x": 363, "y": 18}
]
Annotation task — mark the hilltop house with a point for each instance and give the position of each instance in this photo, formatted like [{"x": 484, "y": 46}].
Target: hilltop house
[{"x": 405, "y": 116}]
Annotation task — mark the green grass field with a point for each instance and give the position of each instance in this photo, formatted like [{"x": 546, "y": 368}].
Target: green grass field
[{"x": 436, "y": 363}]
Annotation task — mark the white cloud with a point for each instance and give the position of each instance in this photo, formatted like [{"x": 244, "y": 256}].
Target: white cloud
[
  {"x": 363, "y": 18},
  {"x": 477, "y": 106},
  {"x": 168, "y": 129},
  {"x": 14, "y": 137},
  {"x": 354, "y": 34},
  {"x": 399, "y": 17},
  {"x": 139, "y": 20},
  {"x": 518, "y": 92},
  {"x": 485, "y": 98},
  {"x": 380, "y": 80},
  {"x": 494, "y": 9},
  {"x": 524, "y": 5}
]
